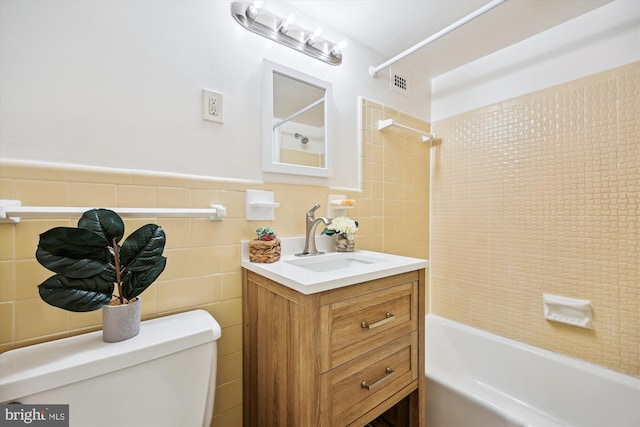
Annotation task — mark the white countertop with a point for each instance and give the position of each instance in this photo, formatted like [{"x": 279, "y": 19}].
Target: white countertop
[{"x": 307, "y": 281}]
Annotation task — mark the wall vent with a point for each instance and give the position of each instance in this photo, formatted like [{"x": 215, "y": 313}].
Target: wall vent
[{"x": 399, "y": 83}]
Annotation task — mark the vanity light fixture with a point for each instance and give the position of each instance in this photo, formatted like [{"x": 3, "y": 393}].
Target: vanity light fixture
[{"x": 283, "y": 31}]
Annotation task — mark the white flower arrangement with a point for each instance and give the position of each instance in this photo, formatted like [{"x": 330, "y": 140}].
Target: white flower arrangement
[{"x": 342, "y": 225}]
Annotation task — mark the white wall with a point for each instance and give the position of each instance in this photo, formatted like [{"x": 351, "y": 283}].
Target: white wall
[
  {"x": 596, "y": 41},
  {"x": 118, "y": 84}
]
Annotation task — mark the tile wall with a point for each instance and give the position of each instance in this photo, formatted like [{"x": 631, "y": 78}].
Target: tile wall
[
  {"x": 203, "y": 267},
  {"x": 302, "y": 158},
  {"x": 541, "y": 194}
]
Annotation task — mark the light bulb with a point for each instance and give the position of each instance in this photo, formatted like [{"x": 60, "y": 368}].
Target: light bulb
[
  {"x": 252, "y": 12},
  {"x": 285, "y": 24},
  {"x": 337, "y": 49},
  {"x": 311, "y": 40}
]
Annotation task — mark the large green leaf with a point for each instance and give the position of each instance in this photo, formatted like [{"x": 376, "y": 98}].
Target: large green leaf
[
  {"x": 71, "y": 267},
  {"x": 83, "y": 257},
  {"x": 143, "y": 248},
  {"x": 104, "y": 222},
  {"x": 135, "y": 282},
  {"x": 76, "y": 243},
  {"x": 76, "y": 294}
]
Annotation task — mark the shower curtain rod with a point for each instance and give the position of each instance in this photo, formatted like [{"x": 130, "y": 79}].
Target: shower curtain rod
[
  {"x": 296, "y": 114},
  {"x": 487, "y": 7}
]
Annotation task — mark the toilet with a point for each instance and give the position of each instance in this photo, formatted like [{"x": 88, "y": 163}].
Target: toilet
[{"x": 164, "y": 376}]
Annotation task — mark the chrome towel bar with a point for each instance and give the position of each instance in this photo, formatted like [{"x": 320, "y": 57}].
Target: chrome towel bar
[{"x": 11, "y": 211}]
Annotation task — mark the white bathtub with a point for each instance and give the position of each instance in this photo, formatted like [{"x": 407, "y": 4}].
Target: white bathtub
[{"x": 475, "y": 379}]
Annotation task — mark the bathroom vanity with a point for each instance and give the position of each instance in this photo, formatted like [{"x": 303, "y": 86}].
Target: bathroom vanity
[{"x": 339, "y": 352}]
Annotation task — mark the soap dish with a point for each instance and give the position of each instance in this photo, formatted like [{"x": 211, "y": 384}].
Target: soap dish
[{"x": 572, "y": 311}]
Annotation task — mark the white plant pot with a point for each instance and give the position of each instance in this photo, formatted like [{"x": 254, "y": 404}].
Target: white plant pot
[{"x": 121, "y": 322}]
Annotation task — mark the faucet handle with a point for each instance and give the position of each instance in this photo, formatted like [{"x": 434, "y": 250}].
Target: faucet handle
[{"x": 310, "y": 213}]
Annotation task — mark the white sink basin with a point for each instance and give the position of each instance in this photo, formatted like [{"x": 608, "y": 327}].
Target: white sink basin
[
  {"x": 332, "y": 270},
  {"x": 334, "y": 261}
]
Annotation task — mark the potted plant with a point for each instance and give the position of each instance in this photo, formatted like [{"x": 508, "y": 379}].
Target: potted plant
[
  {"x": 345, "y": 228},
  {"x": 266, "y": 248},
  {"x": 90, "y": 264}
]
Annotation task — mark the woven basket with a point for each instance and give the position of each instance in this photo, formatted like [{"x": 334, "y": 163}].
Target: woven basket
[{"x": 264, "y": 251}]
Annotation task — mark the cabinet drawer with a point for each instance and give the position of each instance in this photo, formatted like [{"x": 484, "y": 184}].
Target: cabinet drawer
[
  {"x": 360, "y": 385},
  {"x": 358, "y": 325}
]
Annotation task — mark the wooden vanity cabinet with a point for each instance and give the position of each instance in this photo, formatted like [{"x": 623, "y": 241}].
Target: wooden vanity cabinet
[{"x": 337, "y": 358}]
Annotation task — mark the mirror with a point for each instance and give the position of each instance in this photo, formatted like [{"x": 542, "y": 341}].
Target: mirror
[{"x": 295, "y": 122}]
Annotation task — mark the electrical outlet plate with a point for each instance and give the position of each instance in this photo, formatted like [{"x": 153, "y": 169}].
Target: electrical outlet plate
[{"x": 211, "y": 106}]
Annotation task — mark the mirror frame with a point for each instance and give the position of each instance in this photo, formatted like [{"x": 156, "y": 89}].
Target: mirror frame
[{"x": 268, "y": 146}]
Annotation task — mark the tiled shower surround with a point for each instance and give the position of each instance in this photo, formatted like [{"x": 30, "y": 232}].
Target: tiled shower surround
[{"x": 540, "y": 194}]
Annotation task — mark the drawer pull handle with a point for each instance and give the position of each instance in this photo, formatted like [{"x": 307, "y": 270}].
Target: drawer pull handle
[
  {"x": 387, "y": 376},
  {"x": 387, "y": 318}
]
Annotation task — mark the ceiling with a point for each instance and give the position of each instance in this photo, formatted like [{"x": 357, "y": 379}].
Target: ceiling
[{"x": 392, "y": 26}]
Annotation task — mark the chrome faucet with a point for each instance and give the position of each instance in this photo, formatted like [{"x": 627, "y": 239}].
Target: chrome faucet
[{"x": 311, "y": 225}]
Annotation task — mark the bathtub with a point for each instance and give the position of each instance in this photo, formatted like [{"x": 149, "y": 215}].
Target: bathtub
[{"x": 477, "y": 379}]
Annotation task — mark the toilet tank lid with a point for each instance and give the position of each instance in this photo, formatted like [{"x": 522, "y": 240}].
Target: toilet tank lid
[{"x": 29, "y": 370}]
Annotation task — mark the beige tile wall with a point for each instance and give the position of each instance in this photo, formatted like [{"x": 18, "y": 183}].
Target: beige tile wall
[
  {"x": 541, "y": 194},
  {"x": 395, "y": 177},
  {"x": 297, "y": 157},
  {"x": 203, "y": 267}
]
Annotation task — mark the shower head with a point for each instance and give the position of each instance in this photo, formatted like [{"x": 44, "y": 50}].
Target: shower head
[{"x": 302, "y": 138}]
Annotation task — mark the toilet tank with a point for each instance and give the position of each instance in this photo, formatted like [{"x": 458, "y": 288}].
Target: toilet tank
[{"x": 164, "y": 376}]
